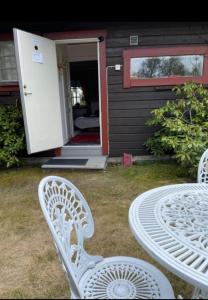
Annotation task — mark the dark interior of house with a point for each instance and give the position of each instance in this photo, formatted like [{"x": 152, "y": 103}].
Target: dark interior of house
[{"x": 85, "y": 102}]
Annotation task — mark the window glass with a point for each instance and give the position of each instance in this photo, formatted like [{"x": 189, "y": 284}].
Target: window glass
[
  {"x": 166, "y": 66},
  {"x": 77, "y": 94},
  {"x": 8, "y": 70}
]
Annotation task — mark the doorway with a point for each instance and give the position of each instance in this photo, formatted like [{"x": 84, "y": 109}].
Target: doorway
[
  {"x": 46, "y": 93},
  {"x": 79, "y": 89}
]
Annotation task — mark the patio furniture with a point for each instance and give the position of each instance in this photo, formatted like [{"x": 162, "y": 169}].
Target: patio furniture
[
  {"x": 171, "y": 223},
  {"x": 203, "y": 168},
  {"x": 93, "y": 277}
]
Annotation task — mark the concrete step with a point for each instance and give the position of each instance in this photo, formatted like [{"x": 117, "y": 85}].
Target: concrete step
[
  {"x": 78, "y": 151},
  {"x": 90, "y": 162}
]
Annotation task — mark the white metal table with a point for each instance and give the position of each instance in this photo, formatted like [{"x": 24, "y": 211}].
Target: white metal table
[{"x": 171, "y": 223}]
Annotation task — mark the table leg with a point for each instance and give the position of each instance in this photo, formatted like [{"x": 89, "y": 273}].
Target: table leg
[{"x": 199, "y": 294}]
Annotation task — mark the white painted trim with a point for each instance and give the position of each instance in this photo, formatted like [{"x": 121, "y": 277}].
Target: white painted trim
[
  {"x": 68, "y": 75},
  {"x": 77, "y": 41},
  {"x": 95, "y": 147},
  {"x": 63, "y": 102},
  {"x": 80, "y": 41},
  {"x": 88, "y": 40},
  {"x": 63, "y": 97}
]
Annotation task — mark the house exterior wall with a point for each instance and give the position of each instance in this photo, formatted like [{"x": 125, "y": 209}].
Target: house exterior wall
[
  {"x": 130, "y": 108},
  {"x": 9, "y": 98}
]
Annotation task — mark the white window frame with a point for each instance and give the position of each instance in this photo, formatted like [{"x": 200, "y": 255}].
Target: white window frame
[{"x": 10, "y": 81}]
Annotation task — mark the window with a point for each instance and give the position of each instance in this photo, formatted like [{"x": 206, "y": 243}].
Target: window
[
  {"x": 165, "y": 66},
  {"x": 77, "y": 94},
  {"x": 8, "y": 70}
]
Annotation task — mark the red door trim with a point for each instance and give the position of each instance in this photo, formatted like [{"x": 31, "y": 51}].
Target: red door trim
[
  {"x": 7, "y": 36},
  {"x": 103, "y": 82},
  {"x": 75, "y": 34},
  {"x": 9, "y": 88},
  {"x": 162, "y": 51},
  {"x": 104, "y": 102}
]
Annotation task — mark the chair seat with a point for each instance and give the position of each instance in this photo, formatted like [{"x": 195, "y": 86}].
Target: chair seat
[{"x": 125, "y": 278}]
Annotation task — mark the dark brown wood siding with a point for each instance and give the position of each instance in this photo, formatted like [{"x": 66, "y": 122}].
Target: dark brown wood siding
[
  {"x": 130, "y": 108},
  {"x": 9, "y": 98}
]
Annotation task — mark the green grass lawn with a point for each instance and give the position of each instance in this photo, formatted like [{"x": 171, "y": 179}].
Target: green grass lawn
[{"x": 29, "y": 265}]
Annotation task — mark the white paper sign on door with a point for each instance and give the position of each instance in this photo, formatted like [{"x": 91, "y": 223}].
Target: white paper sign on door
[
  {"x": 36, "y": 42},
  {"x": 37, "y": 57}
]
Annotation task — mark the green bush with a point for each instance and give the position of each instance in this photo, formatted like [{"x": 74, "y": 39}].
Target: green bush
[
  {"x": 183, "y": 126},
  {"x": 12, "y": 136}
]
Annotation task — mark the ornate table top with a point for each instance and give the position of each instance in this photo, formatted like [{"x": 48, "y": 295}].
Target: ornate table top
[{"x": 171, "y": 223}]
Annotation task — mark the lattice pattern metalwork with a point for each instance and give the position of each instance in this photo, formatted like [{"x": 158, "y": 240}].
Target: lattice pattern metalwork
[
  {"x": 70, "y": 221},
  {"x": 123, "y": 280},
  {"x": 171, "y": 223},
  {"x": 203, "y": 168},
  {"x": 186, "y": 215}
]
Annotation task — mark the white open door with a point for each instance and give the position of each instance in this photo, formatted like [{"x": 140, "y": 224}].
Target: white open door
[{"x": 39, "y": 88}]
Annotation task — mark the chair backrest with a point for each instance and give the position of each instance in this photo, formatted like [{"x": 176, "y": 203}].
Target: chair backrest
[
  {"x": 70, "y": 221},
  {"x": 203, "y": 168}
]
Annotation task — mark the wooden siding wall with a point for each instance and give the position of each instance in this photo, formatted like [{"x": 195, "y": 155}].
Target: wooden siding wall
[
  {"x": 130, "y": 108},
  {"x": 9, "y": 98}
]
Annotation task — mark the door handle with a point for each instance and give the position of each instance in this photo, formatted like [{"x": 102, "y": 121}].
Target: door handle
[{"x": 27, "y": 93}]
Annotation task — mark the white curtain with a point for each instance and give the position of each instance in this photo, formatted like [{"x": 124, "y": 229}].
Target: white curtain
[{"x": 8, "y": 70}]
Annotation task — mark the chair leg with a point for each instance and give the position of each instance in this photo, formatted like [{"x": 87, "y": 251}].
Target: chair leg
[
  {"x": 199, "y": 294},
  {"x": 72, "y": 296}
]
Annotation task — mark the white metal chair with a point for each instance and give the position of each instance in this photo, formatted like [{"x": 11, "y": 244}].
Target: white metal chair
[
  {"x": 93, "y": 277},
  {"x": 203, "y": 168},
  {"x": 202, "y": 177}
]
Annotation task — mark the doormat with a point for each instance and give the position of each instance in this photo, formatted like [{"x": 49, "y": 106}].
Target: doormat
[
  {"x": 88, "y": 138},
  {"x": 74, "y": 162}
]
